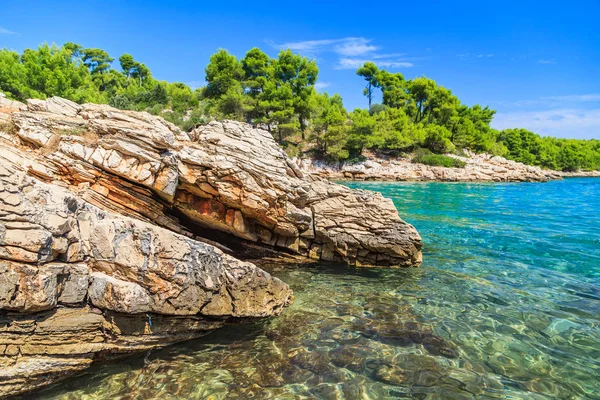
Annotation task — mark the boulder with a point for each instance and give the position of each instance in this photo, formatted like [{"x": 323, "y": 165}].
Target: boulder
[
  {"x": 11, "y": 105},
  {"x": 57, "y": 251},
  {"x": 229, "y": 167}
]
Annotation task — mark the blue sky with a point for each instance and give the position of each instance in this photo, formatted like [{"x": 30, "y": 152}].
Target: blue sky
[{"x": 537, "y": 63}]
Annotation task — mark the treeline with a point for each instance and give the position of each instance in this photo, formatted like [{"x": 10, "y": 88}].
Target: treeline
[
  {"x": 279, "y": 94},
  {"x": 89, "y": 75}
]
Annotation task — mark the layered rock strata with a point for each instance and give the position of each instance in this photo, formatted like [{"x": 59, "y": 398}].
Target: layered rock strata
[
  {"x": 224, "y": 176},
  {"x": 78, "y": 283}
]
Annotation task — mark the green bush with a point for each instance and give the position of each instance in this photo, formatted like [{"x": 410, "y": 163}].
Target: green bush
[{"x": 425, "y": 156}]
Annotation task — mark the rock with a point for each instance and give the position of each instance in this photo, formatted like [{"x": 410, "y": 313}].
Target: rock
[
  {"x": 61, "y": 106},
  {"x": 37, "y": 105},
  {"x": 56, "y": 249},
  {"x": 28, "y": 288},
  {"x": 225, "y": 176},
  {"x": 166, "y": 272},
  {"x": 55, "y": 105},
  {"x": 11, "y": 105},
  {"x": 246, "y": 171},
  {"x": 45, "y": 347},
  {"x": 105, "y": 222}
]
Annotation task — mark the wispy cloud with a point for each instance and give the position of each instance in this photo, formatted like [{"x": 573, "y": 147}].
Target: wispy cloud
[
  {"x": 567, "y": 123},
  {"x": 575, "y": 97},
  {"x": 570, "y": 116},
  {"x": 322, "y": 85},
  {"x": 387, "y": 55},
  {"x": 554, "y": 101},
  {"x": 349, "y": 46},
  {"x": 4, "y": 31},
  {"x": 351, "y": 52},
  {"x": 354, "y": 63},
  {"x": 466, "y": 56},
  {"x": 546, "y": 62},
  {"x": 355, "y": 47}
]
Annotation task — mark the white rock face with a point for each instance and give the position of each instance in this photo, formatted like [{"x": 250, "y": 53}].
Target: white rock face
[{"x": 50, "y": 235}]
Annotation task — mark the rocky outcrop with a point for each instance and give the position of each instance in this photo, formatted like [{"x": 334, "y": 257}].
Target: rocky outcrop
[
  {"x": 105, "y": 222},
  {"x": 78, "y": 283},
  {"x": 478, "y": 168},
  {"x": 253, "y": 190},
  {"x": 225, "y": 177}
]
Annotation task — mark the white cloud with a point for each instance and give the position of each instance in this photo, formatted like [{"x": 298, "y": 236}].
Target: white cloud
[
  {"x": 307, "y": 45},
  {"x": 353, "y": 63},
  {"x": 322, "y": 85},
  {"x": 553, "y": 101},
  {"x": 546, "y": 62},
  {"x": 465, "y": 56},
  {"x": 575, "y": 97},
  {"x": 565, "y": 123},
  {"x": 4, "y": 31},
  {"x": 349, "y": 46},
  {"x": 388, "y": 55},
  {"x": 352, "y": 52}
]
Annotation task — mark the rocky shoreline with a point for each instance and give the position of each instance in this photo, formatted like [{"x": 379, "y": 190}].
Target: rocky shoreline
[
  {"x": 120, "y": 233},
  {"x": 109, "y": 221},
  {"x": 478, "y": 168}
]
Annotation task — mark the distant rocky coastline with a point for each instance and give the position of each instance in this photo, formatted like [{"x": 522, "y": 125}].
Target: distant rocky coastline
[{"x": 478, "y": 168}]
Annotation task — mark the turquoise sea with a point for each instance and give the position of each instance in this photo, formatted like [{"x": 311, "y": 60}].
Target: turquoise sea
[{"x": 506, "y": 305}]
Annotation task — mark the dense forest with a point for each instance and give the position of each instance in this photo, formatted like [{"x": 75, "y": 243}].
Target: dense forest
[{"x": 416, "y": 115}]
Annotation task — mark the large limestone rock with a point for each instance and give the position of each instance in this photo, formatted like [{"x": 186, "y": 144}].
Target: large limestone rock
[
  {"x": 250, "y": 188},
  {"x": 95, "y": 280},
  {"x": 224, "y": 176},
  {"x": 105, "y": 222}
]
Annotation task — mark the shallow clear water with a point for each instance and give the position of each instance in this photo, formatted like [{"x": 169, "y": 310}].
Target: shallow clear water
[{"x": 506, "y": 305}]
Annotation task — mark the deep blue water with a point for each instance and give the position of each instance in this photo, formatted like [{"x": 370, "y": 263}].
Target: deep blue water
[{"x": 506, "y": 305}]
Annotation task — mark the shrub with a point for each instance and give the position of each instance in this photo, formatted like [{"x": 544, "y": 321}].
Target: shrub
[
  {"x": 291, "y": 149},
  {"x": 438, "y": 139},
  {"x": 120, "y": 101},
  {"x": 425, "y": 156}
]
